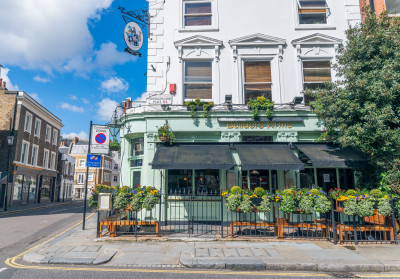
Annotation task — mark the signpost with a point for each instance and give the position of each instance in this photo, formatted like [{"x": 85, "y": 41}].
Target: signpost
[
  {"x": 100, "y": 139},
  {"x": 133, "y": 36},
  {"x": 93, "y": 161},
  {"x": 160, "y": 100}
]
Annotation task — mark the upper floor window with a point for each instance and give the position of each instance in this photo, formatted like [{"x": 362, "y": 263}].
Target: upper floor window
[
  {"x": 48, "y": 133},
  {"x": 198, "y": 79},
  {"x": 116, "y": 167},
  {"x": 46, "y": 159},
  {"x": 312, "y": 11},
  {"x": 137, "y": 147},
  {"x": 35, "y": 149},
  {"x": 257, "y": 80},
  {"x": 81, "y": 163},
  {"x": 90, "y": 176},
  {"x": 28, "y": 122},
  {"x": 55, "y": 136},
  {"x": 115, "y": 178},
  {"x": 53, "y": 161},
  {"x": 24, "y": 152},
  {"x": 81, "y": 177},
  {"x": 315, "y": 73},
  {"x": 36, "y": 130},
  {"x": 393, "y": 6},
  {"x": 197, "y": 13}
]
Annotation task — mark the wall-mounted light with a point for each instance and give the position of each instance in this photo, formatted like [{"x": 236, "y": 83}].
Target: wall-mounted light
[{"x": 228, "y": 101}]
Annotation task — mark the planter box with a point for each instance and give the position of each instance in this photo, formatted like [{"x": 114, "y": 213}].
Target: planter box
[{"x": 198, "y": 108}]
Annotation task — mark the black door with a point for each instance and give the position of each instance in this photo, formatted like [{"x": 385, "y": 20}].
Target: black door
[{"x": 2, "y": 194}]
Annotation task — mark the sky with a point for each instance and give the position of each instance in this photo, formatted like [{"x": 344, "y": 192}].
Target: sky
[{"x": 69, "y": 56}]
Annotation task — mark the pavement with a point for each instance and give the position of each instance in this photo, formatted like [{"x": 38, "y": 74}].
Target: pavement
[
  {"x": 28, "y": 207},
  {"x": 82, "y": 247}
]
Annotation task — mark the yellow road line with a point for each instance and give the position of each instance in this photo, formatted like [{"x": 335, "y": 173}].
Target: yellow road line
[{"x": 379, "y": 275}]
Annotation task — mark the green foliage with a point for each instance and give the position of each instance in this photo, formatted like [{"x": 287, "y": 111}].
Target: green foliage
[
  {"x": 150, "y": 201},
  {"x": 92, "y": 203},
  {"x": 246, "y": 205},
  {"x": 384, "y": 207},
  {"x": 122, "y": 200},
  {"x": 233, "y": 202},
  {"x": 261, "y": 103},
  {"x": 288, "y": 192},
  {"x": 288, "y": 204},
  {"x": 350, "y": 207},
  {"x": 137, "y": 202},
  {"x": 306, "y": 204},
  {"x": 315, "y": 192},
  {"x": 362, "y": 108},
  {"x": 265, "y": 205},
  {"x": 376, "y": 193},
  {"x": 235, "y": 189},
  {"x": 365, "y": 208},
  {"x": 322, "y": 204},
  {"x": 259, "y": 192},
  {"x": 198, "y": 103},
  {"x": 114, "y": 145},
  {"x": 351, "y": 192},
  {"x": 166, "y": 134}
]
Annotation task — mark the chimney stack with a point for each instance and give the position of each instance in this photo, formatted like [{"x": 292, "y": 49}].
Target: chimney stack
[{"x": 76, "y": 140}]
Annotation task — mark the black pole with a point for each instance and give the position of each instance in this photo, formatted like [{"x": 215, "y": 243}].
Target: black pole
[
  {"x": 87, "y": 177},
  {"x": 8, "y": 178},
  {"x": 396, "y": 241}
]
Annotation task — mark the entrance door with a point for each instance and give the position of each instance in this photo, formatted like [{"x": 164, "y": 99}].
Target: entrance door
[
  {"x": 327, "y": 179},
  {"x": 25, "y": 189},
  {"x": 2, "y": 194}
]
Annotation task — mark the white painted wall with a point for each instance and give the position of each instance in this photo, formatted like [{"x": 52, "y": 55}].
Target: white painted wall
[{"x": 275, "y": 20}]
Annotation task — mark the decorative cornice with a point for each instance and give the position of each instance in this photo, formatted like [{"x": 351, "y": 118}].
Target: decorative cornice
[{"x": 257, "y": 39}]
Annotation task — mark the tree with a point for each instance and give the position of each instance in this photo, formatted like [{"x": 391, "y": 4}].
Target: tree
[{"x": 362, "y": 108}]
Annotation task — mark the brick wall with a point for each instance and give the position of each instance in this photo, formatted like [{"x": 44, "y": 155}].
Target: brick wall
[
  {"x": 379, "y": 6},
  {"x": 7, "y": 102}
]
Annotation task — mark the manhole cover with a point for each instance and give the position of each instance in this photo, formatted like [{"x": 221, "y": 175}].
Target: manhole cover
[{"x": 343, "y": 275}]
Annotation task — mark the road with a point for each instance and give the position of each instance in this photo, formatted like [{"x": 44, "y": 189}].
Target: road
[{"x": 21, "y": 231}]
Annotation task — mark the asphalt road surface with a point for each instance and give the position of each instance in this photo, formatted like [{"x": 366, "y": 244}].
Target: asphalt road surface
[{"x": 23, "y": 230}]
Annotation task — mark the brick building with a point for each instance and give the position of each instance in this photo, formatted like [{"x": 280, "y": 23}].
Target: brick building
[
  {"x": 103, "y": 175},
  {"x": 65, "y": 178},
  {"x": 378, "y": 6},
  {"x": 34, "y": 153}
]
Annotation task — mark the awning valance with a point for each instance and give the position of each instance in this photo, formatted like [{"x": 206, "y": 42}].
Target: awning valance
[
  {"x": 328, "y": 155},
  {"x": 268, "y": 157},
  {"x": 193, "y": 157}
]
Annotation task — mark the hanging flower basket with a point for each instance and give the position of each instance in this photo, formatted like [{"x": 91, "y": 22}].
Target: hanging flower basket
[{"x": 165, "y": 138}]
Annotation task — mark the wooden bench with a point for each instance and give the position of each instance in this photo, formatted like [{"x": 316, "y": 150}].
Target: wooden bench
[{"x": 113, "y": 225}]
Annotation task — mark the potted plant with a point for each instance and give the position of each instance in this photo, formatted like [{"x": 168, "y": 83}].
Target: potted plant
[
  {"x": 259, "y": 192},
  {"x": 261, "y": 103},
  {"x": 198, "y": 105},
  {"x": 165, "y": 134},
  {"x": 114, "y": 145}
]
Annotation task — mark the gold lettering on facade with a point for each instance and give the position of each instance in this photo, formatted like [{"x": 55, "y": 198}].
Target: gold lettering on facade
[
  {"x": 229, "y": 125},
  {"x": 252, "y": 125},
  {"x": 246, "y": 125},
  {"x": 259, "y": 125}
]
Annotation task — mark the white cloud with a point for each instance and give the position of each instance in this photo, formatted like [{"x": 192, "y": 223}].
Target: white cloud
[
  {"x": 73, "y": 97},
  {"x": 80, "y": 135},
  {"x": 72, "y": 108},
  {"x": 141, "y": 98},
  {"x": 41, "y": 79},
  {"x": 114, "y": 85},
  {"x": 4, "y": 76},
  {"x": 46, "y": 34},
  {"x": 36, "y": 97},
  {"x": 105, "y": 109},
  {"x": 85, "y": 101}
]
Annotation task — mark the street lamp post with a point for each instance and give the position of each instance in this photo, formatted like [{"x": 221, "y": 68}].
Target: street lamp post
[
  {"x": 114, "y": 126},
  {"x": 10, "y": 141},
  {"x": 63, "y": 177}
]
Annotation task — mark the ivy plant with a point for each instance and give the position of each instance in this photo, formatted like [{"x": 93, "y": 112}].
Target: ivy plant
[{"x": 259, "y": 104}]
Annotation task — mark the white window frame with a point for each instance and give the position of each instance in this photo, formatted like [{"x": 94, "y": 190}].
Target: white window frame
[
  {"x": 393, "y": 15},
  {"x": 214, "y": 17},
  {"x": 90, "y": 176},
  {"x": 80, "y": 178},
  {"x": 26, "y": 153},
  {"x": 46, "y": 159},
  {"x": 243, "y": 84},
  {"x": 80, "y": 161},
  {"x": 53, "y": 161},
  {"x": 26, "y": 123},
  {"x": 313, "y": 60},
  {"x": 212, "y": 79},
  {"x": 34, "y": 159},
  {"x": 48, "y": 135},
  {"x": 36, "y": 133},
  {"x": 54, "y": 137},
  {"x": 329, "y": 18}
]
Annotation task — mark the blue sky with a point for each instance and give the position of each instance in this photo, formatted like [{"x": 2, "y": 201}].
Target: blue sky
[{"x": 69, "y": 56}]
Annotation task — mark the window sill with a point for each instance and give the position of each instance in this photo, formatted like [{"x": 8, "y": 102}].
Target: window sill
[
  {"x": 315, "y": 27},
  {"x": 199, "y": 29}
]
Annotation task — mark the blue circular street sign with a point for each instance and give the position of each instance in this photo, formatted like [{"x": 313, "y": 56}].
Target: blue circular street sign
[{"x": 100, "y": 138}]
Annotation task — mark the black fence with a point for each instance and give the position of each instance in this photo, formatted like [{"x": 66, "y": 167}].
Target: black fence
[{"x": 204, "y": 215}]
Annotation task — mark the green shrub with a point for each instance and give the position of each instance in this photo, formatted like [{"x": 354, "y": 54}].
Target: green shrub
[
  {"x": 233, "y": 202},
  {"x": 288, "y": 204},
  {"x": 259, "y": 192},
  {"x": 365, "y": 208},
  {"x": 149, "y": 188},
  {"x": 124, "y": 189},
  {"x": 315, "y": 192},
  {"x": 246, "y": 205},
  {"x": 265, "y": 205},
  {"x": 351, "y": 192},
  {"x": 376, "y": 193},
  {"x": 137, "y": 203},
  {"x": 322, "y": 204},
  {"x": 384, "y": 207},
  {"x": 306, "y": 204},
  {"x": 235, "y": 189},
  {"x": 122, "y": 200},
  {"x": 150, "y": 201},
  {"x": 288, "y": 192},
  {"x": 350, "y": 207}
]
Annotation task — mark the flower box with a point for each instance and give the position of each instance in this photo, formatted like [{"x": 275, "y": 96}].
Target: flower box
[
  {"x": 256, "y": 201},
  {"x": 197, "y": 108},
  {"x": 165, "y": 138}
]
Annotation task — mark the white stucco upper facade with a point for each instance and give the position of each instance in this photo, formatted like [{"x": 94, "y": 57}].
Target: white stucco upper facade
[{"x": 241, "y": 31}]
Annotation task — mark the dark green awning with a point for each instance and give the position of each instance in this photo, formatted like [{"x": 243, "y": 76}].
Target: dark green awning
[
  {"x": 268, "y": 157},
  {"x": 331, "y": 156},
  {"x": 193, "y": 157}
]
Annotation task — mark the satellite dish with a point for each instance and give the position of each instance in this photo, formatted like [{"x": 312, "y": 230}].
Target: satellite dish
[{"x": 133, "y": 35}]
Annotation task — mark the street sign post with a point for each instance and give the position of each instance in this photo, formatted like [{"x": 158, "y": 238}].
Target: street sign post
[
  {"x": 93, "y": 161},
  {"x": 100, "y": 140}
]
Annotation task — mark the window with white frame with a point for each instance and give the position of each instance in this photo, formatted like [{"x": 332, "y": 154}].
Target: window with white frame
[
  {"x": 24, "y": 152},
  {"x": 312, "y": 11},
  {"x": 28, "y": 122},
  {"x": 90, "y": 176},
  {"x": 197, "y": 13},
  {"x": 198, "y": 79},
  {"x": 35, "y": 151},
  {"x": 48, "y": 133},
  {"x": 393, "y": 6},
  {"x": 315, "y": 73},
  {"x": 107, "y": 177},
  {"x": 55, "y": 136},
  {"x": 53, "y": 161},
  {"x": 257, "y": 80},
  {"x": 81, "y": 163},
  {"x": 46, "y": 159},
  {"x": 81, "y": 178},
  {"x": 115, "y": 178},
  {"x": 36, "y": 129}
]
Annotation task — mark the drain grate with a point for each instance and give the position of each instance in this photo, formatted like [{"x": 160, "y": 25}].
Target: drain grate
[{"x": 343, "y": 275}]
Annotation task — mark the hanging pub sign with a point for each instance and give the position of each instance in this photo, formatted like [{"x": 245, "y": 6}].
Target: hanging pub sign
[{"x": 133, "y": 36}]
